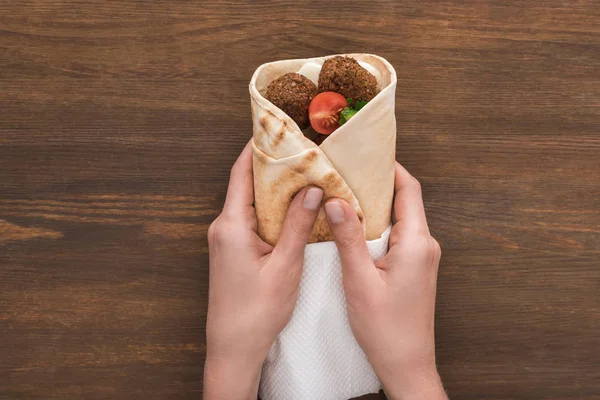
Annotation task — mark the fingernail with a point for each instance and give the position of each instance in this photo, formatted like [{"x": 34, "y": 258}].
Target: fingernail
[
  {"x": 312, "y": 198},
  {"x": 335, "y": 212}
]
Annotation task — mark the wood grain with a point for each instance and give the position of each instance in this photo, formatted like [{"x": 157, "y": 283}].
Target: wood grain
[{"x": 119, "y": 121}]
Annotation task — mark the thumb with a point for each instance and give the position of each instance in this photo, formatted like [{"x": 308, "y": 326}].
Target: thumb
[
  {"x": 347, "y": 231},
  {"x": 298, "y": 224}
]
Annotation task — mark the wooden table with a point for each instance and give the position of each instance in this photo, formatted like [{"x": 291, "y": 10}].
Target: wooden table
[{"x": 119, "y": 121}]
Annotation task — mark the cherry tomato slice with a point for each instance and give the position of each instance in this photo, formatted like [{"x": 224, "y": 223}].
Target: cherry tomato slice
[{"x": 324, "y": 112}]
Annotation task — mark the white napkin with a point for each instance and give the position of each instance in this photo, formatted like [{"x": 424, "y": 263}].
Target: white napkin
[{"x": 316, "y": 356}]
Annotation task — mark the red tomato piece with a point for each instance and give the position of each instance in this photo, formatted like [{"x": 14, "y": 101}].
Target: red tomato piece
[{"x": 324, "y": 112}]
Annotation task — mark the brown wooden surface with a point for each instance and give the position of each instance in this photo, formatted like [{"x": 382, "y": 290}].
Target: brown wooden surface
[{"x": 119, "y": 121}]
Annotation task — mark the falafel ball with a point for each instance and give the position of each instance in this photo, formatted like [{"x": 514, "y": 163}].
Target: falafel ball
[
  {"x": 292, "y": 93},
  {"x": 345, "y": 76}
]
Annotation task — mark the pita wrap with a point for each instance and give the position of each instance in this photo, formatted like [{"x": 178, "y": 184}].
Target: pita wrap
[{"x": 354, "y": 163}]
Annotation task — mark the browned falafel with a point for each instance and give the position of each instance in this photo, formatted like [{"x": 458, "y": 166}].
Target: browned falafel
[
  {"x": 292, "y": 93},
  {"x": 345, "y": 76}
]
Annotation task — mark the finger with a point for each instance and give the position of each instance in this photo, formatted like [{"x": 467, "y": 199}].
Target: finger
[
  {"x": 348, "y": 234},
  {"x": 298, "y": 224},
  {"x": 409, "y": 212},
  {"x": 240, "y": 194}
]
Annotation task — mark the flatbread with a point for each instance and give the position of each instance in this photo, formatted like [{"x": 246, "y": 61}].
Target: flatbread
[{"x": 355, "y": 163}]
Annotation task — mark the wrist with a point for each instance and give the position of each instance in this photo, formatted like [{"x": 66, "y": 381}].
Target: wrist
[
  {"x": 231, "y": 379},
  {"x": 418, "y": 384}
]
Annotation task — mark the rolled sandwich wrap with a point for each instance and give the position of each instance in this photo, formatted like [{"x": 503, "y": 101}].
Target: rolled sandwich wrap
[{"x": 354, "y": 163}]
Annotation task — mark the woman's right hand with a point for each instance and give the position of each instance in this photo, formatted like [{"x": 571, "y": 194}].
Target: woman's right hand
[{"x": 391, "y": 303}]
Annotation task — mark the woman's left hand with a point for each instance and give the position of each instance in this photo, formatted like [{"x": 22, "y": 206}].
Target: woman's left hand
[{"x": 252, "y": 286}]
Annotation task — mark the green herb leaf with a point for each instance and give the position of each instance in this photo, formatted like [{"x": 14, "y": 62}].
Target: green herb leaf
[
  {"x": 346, "y": 114},
  {"x": 359, "y": 104},
  {"x": 351, "y": 110}
]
